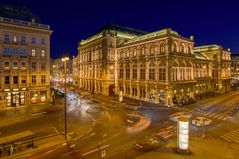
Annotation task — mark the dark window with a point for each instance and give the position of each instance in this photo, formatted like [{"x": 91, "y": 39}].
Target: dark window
[
  {"x": 7, "y": 80},
  {"x": 15, "y": 79},
  {"x": 34, "y": 80},
  {"x": 142, "y": 74}
]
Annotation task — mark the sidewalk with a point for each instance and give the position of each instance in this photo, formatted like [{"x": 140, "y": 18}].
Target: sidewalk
[{"x": 39, "y": 146}]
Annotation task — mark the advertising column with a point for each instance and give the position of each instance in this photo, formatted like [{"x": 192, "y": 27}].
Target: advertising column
[{"x": 183, "y": 135}]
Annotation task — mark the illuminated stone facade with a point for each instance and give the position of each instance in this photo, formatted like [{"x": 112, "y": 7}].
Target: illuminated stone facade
[
  {"x": 235, "y": 68},
  {"x": 161, "y": 66},
  {"x": 24, "y": 62}
]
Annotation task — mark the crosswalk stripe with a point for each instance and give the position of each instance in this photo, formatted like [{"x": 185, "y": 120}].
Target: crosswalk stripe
[
  {"x": 211, "y": 115},
  {"x": 232, "y": 137},
  {"x": 234, "y": 133},
  {"x": 207, "y": 113},
  {"x": 236, "y": 130},
  {"x": 225, "y": 118},
  {"x": 217, "y": 115},
  {"x": 225, "y": 138},
  {"x": 220, "y": 117}
]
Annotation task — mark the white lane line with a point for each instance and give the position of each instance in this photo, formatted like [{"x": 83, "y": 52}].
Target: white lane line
[
  {"x": 220, "y": 117},
  {"x": 89, "y": 130},
  {"x": 211, "y": 114},
  {"x": 226, "y": 118},
  {"x": 92, "y": 134},
  {"x": 38, "y": 113},
  {"x": 217, "y": 115},
  {"x": 89, "y": 152}
]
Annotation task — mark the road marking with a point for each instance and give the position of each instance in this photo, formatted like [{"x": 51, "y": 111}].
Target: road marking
[
  {"x": 89, "y": 130},
  {"x": 39, "y": 113},
  {"x": 71, "y": 133},
  {"x": 217, "y": 115},
  {"x": 211, "y": 114},
  {"x": 220, "y": 117},
  {"x": 94, "y": 150},
  {"x": 92, "y": 134},
  {"x": 226, "y": 118}
]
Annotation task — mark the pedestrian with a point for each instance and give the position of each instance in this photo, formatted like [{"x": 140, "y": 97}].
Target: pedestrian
[{"x": 11, "y": 149}]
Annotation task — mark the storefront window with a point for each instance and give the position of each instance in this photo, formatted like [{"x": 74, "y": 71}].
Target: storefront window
[
  {"x": 33, "y": 96},
  {"x": 43, "y": 96}
]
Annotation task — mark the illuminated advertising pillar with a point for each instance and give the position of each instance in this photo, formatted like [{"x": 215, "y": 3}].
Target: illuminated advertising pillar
[{"x": 183, "y": 135}]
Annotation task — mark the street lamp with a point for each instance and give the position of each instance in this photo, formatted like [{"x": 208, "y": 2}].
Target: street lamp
[{"x": 64, "y": 59}]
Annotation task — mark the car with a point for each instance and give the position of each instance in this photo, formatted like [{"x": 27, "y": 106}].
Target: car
[
  {"x": 148, "y": 143},
  {"x": 200, "y": 121}
]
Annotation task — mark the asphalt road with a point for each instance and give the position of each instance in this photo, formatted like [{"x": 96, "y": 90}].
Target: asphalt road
[{"x": 96, "y": 127}]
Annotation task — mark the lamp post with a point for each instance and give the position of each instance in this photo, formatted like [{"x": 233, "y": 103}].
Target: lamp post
[{"x": 64, "y": 59}]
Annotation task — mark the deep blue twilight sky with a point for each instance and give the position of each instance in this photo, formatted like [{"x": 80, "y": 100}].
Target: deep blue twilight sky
[{"x": 210, "y": 21}]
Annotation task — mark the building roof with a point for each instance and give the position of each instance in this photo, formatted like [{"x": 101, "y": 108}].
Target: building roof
[
  {"x": 124, "y": 29},
  {"x": 151, "y": 35},
  {"x": 18, "y": 13},
  {"x": 207, "y": 48},
  {"x": 200, "y": 56}
]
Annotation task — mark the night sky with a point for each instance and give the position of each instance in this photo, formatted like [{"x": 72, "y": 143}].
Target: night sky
[{"x": 211, "y": 22}]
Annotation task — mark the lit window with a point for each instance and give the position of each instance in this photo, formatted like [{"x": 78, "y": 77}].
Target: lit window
[
  {"x": 43, "y": 53},
  {"x": 14, "y": 39},
  {"x": 33, "y": 52}
]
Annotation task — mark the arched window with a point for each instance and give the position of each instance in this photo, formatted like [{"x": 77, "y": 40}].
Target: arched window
[
  {"x": 134, "y": 52},
  {"x": 175, "y": 47},
  {"x": 182, "y": 48},
  {"x": 162, "y": 48},
  {"x": 152, "y": 49},
  {"x": 151, "y": 71},
  {"x": 142, "y": 51}
]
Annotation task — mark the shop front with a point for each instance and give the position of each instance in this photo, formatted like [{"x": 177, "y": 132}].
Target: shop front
[
  {"x": 15, "y": 97},
  {"x": 38, "y": 97}
]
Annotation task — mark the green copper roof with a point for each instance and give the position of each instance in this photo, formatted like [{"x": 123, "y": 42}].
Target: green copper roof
[
  {"x": 151, "y": 35},
  {"x": 199, "y": 56}
]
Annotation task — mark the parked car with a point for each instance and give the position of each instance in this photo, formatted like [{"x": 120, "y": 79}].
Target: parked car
[
  {"x": 148, "y": 143},
  {"x": 200, "y": 121}
]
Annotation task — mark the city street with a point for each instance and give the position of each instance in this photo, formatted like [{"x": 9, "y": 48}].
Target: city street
[{"x": 95, "y": 128}]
